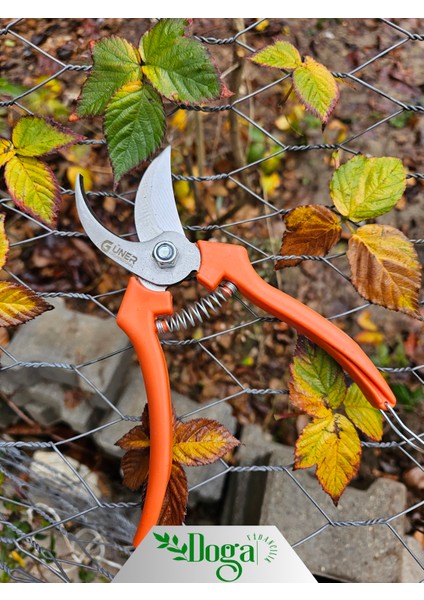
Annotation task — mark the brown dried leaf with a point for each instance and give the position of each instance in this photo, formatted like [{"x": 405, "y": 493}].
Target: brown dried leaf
[
  {"x": 201, "y": 442},
  {"x": 135, "y": 465},
  {"x": 18, "y": 304},
  {"x": 175, "y": 503},
  {"x": 310, "y": 230},
  {"x": 385, "y": 268},
  {"x": 135, "y": 439}
]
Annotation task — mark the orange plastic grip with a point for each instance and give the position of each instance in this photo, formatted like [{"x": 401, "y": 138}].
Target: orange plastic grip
[
  {"x": 231, "y": 262},
  {"x": 139, "y": 309}
]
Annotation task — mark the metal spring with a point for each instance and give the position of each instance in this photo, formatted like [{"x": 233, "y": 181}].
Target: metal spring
[{"x": 199, "y": 311}]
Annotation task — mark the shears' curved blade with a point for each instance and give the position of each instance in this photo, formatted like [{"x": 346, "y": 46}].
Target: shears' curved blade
[{"x": 155, "y": 210}]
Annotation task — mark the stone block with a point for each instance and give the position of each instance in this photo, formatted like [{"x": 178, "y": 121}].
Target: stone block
[
  {"x": 367, "y": 553},
  {"x": 68, "y": 338}
]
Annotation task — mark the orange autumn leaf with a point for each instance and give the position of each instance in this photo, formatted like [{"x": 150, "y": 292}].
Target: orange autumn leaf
[
  {"x": 19, "y": 304},
  {"x": 311, "y": 231},
  {"x": 175, "y": 502},
  {"x": 385, "y": 268},
  {"x": 196, "y": 442},
  {"x": 201, "y": 442}
]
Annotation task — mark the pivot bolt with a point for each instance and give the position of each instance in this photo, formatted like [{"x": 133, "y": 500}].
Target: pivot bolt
[{"x": 165, "y": 254}]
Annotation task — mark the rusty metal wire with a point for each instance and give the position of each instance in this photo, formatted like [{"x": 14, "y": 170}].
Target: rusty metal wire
[{"x": 68, "y": 529}]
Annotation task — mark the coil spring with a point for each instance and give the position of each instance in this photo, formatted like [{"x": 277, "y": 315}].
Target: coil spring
[{"x": 199, "y": 311}]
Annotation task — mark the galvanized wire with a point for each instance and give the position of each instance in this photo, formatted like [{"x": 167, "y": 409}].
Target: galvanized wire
[{"x": 70, "y": 529}]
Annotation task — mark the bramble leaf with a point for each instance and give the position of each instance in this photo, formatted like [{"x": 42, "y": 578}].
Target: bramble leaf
[
  {"x": 310, "y": 230},
  {"x": 135, "y": 466},
  {"x": 134, "y": 126},
  {"x": 365, "y": 188},
  {"x": 332, "y": 444},
  {"x": 317, "y": 381},
  {"x": 177, "y": 66},
  {"x": 19, "y": 304},
  {"x": 115, "y": 63},
  {"x": 4, "y": 243},
  {"x": 201, "y": 442},
  {"x": 34, "y": 136},
  {"x": 385, "y": 268},
  {"x": 281, "y": 55},
  {"x": 33, "y": 187},
  {"x": 316, "y": 88},
  {"x": 6, "y": 151},
  {"x": 364, "y": 416},
  {"x": 135, "y": 439}
]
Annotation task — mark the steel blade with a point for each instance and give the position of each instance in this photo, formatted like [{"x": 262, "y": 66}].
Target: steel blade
[{"x": 155, "y": 209}]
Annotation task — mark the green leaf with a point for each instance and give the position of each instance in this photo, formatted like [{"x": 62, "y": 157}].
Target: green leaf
[
  {"x": 318, "y": 382},
  {"x": 316, "y": 88},
  {"x": 134, "y": 126},
  {"x": 364, "y": 416},
  {"x": 365, "y": 188},
  {"x": 33, "y": 187},
  {"x": 34, "y": 136},
  {"x": 178, "y": 67},
  {"x": 179, "y": 557},
  {"x": 175, "y": 540},
  {"x": 19, "y": 304},
  {"x": 281, "y": 55},
  {"x": 160, "y": 538},
  {"x": 116, "y": 62}
]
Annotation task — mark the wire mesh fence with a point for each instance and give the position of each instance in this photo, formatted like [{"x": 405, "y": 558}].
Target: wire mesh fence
[{"x": 60, "y": 523}]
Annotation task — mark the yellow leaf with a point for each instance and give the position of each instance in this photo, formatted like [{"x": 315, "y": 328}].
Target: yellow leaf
[
  {"x": 34, "y": 136},
  {"x": 372, "y": 338},
  {"x": 364, "y": 416},
  {"x": 311, "y": 231},
  {"x": 4, "y": 243},
  {"x": 18, "y": 304},
  {"x": 316, "y": 88},
  {"x": 17, "y": 558},
  {"x": 317, "y": 382},
  {"x": 365, "y": 321},
  {"x": 6, "y": 151},
  {"x": 270, "y": 183},
  {"x": 184, "y": 195},
  {"x": 179, "y": 120},
  {"x": 72, "y": 173},
  {"x": 333, "y": 445},
  {"x": 262, "y": 25},
  {"x": 281, "y": 55},
  {"x": 201, "y": 442},
  {"x": 33, "y": 187},
  {"x": 385, "y": 268}
]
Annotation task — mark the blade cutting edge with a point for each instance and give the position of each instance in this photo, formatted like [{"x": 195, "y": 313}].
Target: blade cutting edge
[{"x": 155, "y": 209}]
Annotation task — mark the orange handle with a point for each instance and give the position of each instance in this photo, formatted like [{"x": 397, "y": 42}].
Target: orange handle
[
  {"x": 139, "y": 309},
  {"x": 231, "y": 262}
]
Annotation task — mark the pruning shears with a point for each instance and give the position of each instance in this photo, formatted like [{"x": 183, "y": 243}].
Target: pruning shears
[{"x": 163, "y": 257}]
